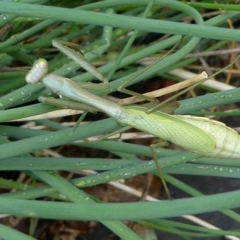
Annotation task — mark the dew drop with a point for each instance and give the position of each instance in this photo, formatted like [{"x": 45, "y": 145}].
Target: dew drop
[
  {"x": 63, "y": 197},
  {"x": 81, "y": 184},
  {"x": 107, "y": 177}
]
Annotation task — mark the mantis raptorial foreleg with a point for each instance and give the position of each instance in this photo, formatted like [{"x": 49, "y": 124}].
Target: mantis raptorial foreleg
[
  {"x": 195, "y": 134},
  {"x": 40, "y": 67}
]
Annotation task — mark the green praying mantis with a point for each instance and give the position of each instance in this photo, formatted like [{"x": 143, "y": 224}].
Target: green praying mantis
[{"x": 195, "y": 134}]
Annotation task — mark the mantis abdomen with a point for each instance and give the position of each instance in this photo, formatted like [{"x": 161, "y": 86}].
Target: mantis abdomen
[
  {"x": 227, "y": 140},
  {"x": 196, "y": 134}
]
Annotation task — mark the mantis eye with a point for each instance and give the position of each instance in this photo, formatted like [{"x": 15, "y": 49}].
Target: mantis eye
[{"x": 38, "y": 71}]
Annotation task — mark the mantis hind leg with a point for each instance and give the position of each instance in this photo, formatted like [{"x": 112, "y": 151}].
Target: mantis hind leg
[
  {"x": 158, "y": 165},
  {"x": 119, "y": 131},
  {"x": 136, "y": 95}
]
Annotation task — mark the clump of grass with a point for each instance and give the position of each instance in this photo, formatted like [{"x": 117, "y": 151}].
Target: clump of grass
[{"x": 116, "y": 37}]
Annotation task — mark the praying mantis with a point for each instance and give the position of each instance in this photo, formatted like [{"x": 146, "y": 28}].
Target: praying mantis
[{"x": 195, "y": 134}]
